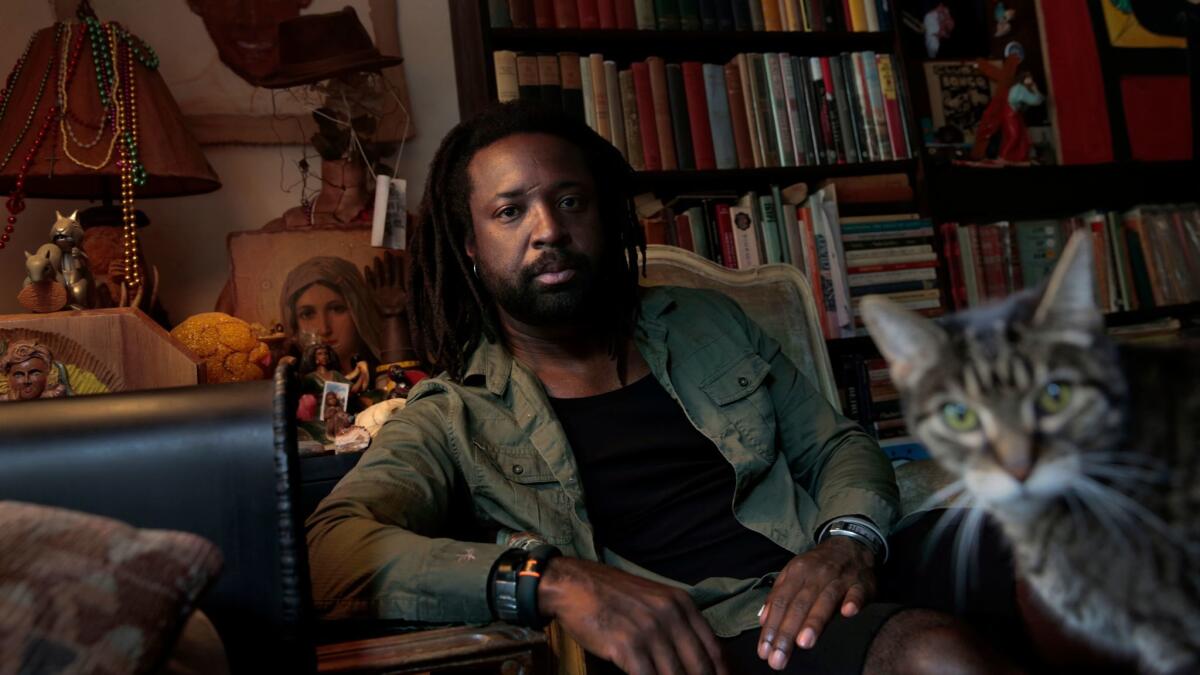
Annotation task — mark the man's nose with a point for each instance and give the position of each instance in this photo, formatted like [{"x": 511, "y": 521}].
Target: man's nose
[{"x": 548, "y": 228}]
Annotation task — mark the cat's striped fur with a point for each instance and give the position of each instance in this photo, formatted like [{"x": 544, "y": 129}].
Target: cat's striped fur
[{"x": 1086, "y": 455}]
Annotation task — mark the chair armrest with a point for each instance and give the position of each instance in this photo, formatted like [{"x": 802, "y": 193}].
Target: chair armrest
[{"x": 509, "y": 649}]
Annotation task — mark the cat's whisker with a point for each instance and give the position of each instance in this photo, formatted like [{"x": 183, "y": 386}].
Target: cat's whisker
[
  {"x": 966, "y": 545},
  {"x": 1077, "y": 510},
  {"x": 1125, "y": 475},
  {"x": 1119, "y": 524},
  {"x": 955, "y": 510},
  {"x": 1122, "y": 502}
]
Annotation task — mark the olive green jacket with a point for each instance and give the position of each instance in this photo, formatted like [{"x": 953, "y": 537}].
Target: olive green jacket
[{"x": 490, "y": 453}]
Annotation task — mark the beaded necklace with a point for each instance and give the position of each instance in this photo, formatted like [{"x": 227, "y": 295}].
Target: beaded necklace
[
  {"x": 16, "y": 200},
  {"x": 66, "y": 72}
]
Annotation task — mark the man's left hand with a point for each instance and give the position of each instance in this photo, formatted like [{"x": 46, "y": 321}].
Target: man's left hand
[{"x": 838, "y": 574}]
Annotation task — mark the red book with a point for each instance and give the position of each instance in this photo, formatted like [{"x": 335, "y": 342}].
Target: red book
[
  {"x": 521, "y": 12},
  {"x": 543, "y": 13},
  {"x": 725, "y": 233},
  {"x": 835, "y": 122},
  {"x": 812, "y": 265},
  {"x": 953, "y": 256},
  {"x": 589, "y": 14},
  {"x": 626, "y": 15},
  {"x": 656, "y": 230},
  {"x": 697, "y": 105},
  {"x": 891, "y": 267},
  {"x": 891, "y": 104},
  {"x": 683, "y": 233},
  {"x": 991, "y": 250},
  {"x": 566, "y": 14},
  {"x": 608, "y": 14},
  {"x": 1077, "y": 82},
  {"x": 737, "y": 116},
  {"x": 646, "y": 124}
]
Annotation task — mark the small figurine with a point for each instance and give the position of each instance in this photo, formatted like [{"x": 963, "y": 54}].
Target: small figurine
[
  {"x": 67, "y": 234},
  {"x": 340, "y": 428},
  {"x": 27, "y": 366},
  {"x": 1004, "y": 17},
  {"x": 939, "y": 25},
  {"x": 1015, "y": 145},
  {"x": 1015, "y": 91},
  {"x": 43, "y": 289}
]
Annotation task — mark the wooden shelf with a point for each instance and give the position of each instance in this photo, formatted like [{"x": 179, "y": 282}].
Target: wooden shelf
[
  {"x": 971, "y": 195},
  {"x": 707, "y": 46},
  {"x": 757, "y": 179}
]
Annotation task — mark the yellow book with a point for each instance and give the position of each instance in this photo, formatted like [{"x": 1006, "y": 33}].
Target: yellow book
[
  {"x": 772, "y": 19},
  {"x": 858, "y": 15}
]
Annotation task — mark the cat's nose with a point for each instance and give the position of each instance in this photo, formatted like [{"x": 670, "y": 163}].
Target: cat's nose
[{"x": 1014, "y": 453}]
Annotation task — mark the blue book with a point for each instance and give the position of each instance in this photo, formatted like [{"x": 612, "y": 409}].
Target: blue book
[
  {"x": 882, "y": 226},
  {"x": 718, "y": 117}
]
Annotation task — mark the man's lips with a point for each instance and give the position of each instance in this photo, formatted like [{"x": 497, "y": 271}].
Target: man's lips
[{"x": 551, "y": 278}]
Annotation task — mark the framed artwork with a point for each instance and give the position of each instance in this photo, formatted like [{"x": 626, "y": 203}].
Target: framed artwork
[
  {"x": 335, "y": 396},
  {"x": 197, "y": 39},
  {"x": 958, "y": 95}
]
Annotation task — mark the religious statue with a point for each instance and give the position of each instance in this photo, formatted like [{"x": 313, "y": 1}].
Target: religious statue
[{"x": 27, "y": 365}]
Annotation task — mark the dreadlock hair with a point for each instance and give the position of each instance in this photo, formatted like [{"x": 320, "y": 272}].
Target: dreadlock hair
[{"x": 449, "y": 308}]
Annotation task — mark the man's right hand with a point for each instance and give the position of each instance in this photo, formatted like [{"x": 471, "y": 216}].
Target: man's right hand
[{"x": 641, "y": 626}]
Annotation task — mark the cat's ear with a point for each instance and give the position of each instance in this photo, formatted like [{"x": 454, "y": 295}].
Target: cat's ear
[
  {"x": 910, "y": 342},
  {"x": 1069, "y": 297}
]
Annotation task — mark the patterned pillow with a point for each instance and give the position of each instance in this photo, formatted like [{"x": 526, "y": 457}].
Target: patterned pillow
[{"x": 85, "y": 594}]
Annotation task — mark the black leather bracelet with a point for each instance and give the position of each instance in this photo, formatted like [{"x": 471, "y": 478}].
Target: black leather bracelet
[
  {"x": 528, "y": 580},
  {"x": 502, "y": 584}
]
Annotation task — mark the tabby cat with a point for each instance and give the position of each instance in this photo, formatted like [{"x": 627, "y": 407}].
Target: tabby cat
[{"x": 1085, "y": 455}]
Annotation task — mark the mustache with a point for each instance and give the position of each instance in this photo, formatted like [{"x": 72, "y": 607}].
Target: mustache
[{"x": 556, "y": 259}]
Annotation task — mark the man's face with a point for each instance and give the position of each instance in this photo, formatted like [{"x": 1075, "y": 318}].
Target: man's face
[
  {"x": 27, "y": 380},
  {"x": 246, "y": 32},
  {"x": 538, "y": 237}
]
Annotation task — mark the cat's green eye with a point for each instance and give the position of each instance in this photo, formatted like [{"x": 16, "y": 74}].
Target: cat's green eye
[
  {"x": 959, "y": 417},
  {"x": 1054, "y": 398}
]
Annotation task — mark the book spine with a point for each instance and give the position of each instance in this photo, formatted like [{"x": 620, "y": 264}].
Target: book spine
[
  {"x": 779, "y": 114},
  {"x": 725, "y": 232},
  {"x": 507, "y": 87},
  {"x": 741, "y": 14},
  {"x": 543, "y": 13},
  {"x": 589, "y": 14},
  {"x": 708, "y": 14},
  {"x": 926, "y": 275},
  {"x": 626, "y": 15},
  {"x": 757, "y": 22},
  {"x": 737, "y": 116},
  {"x": 808, "y": 125},
  {"x": 644, "y": 13},
  {"x": 521, "y": 13},
  {"x": 745, "y": 234},
  {"x": 871, "y": 12},
  {"x": 772, "y": 20},
  {"x": 842, "y": 101},
  {"x": 527, "y": 77},
  {"x": 600, "y": 95},
  {"x": 697, "y": 109},
  {"x": 689, "y": 15},
  {"x": 667, "y": 13},
  {"x": 549, "y": 82},
  {"x": 890, "y": 267},
  {"x": 633, "y": 131},
  {"x": 699, "y": 228},
  {"x": 724, "y": 9},
  {"x": 992, "y": 251},
  {"x": 572, "y": 85},
  {"x": 831, "y": 109},
  {"x": 607, "y": 13},
  {"x": 615, "y": 112},
  {"x": 791, "y": 234},
  {"x": 677, "y": 94},
  {"x": 566, "y": 14},
  {"x": 795, "y": 124},
  {"x": 683, "y": 233},
  {"x": 821, "y": 290},
  {"x": 769, "y": 219},
  {"x": 885, "y": 244},
  {"x": 863, "y": 90},
  {"x": 884, "y": 12},
  {"x": 763, "y": 109},
  {"x": 589, "y": 91},
  {"x": 878, "y": 108},
  {"x": 498, "y": 16},
  {"x": 749, "y": 95},
  {"x": 891, "y": 102},
  {"x": 720, "y": 125},
  {"x": 857, "y": 14},
  {"x": 662, "y": 113},
  {"x": 646, "y": 116},
  {"x": 857, "y": 119},
  {"x": 958, "y": 289},
  {"x": 821, "y": 104},
  {"x": 858, "y": 291},
  {"x": 873, "y": 237},
  {"x": 893, "y": 252},
  {"x": 791, "y": 20}
]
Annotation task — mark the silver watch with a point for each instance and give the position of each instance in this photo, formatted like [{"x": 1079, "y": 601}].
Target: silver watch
[{"x": 859, "y": 529}]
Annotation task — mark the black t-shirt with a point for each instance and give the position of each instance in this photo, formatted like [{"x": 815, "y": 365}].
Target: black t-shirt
[{"x": 657, "y": 491}]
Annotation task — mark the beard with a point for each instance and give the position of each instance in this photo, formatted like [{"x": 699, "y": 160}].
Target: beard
[{"x": 532, "y": 302}]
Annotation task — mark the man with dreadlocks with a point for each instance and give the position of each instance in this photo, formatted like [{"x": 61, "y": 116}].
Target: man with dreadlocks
[{"x": 577, "y": 458}]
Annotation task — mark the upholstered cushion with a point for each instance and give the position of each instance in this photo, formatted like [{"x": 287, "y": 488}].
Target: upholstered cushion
[{"x": 87, "y": 594}]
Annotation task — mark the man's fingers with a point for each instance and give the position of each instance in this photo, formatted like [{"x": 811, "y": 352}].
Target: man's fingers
[
  {"x": 821, "y": 612},
  {"x": 708, "y": 641},
  {"x": 855, "y": 599}
]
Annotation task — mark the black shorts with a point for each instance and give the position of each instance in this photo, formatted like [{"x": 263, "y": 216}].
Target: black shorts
[{"x": 922, "y": 572}]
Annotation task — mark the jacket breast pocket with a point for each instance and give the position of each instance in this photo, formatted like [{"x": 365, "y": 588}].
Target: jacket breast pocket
[
  {"x": 742, "y": 396},
  {"x": 524, "y": 486}
]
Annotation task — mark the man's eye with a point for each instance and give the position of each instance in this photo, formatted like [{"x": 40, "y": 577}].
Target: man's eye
[
  {"x": 571, "y": 202},
  {"x": 508, "y": 212}
]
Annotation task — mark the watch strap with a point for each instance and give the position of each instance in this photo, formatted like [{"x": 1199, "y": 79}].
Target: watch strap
[
  {"x": 529, "y": 578},
  {"x": 502, "y": 584},
  {"x": 859, "y": 529}
]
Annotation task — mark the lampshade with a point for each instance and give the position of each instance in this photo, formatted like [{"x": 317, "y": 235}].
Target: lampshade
[{"x": 174, "y": 164}]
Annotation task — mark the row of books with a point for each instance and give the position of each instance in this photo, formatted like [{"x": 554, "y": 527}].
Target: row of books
[
  {"x": 723, "y": 15},
  {"x": 870, "y": 398},
  {"x": 1146, "y": 257},
  {"x": 843, "y": 259},
  {"x": 758, "y": 110}
]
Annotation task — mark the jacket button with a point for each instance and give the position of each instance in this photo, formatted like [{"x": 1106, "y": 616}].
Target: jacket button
[
  {"x": 518, "y": 469},
  {"x": 743, "y": 381}
]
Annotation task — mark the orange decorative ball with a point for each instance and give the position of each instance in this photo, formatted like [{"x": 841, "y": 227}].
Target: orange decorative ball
[{"x": 228, "y": 345}]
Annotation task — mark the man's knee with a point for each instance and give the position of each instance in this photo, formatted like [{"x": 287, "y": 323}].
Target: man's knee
[{"x": 924, "y": 642}]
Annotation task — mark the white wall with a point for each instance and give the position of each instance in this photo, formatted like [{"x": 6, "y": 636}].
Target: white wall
[{"x": 187, "y": 237}]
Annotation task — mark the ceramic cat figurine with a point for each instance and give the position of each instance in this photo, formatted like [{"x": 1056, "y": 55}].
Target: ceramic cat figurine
[{"x": 1086, "y": 455}]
